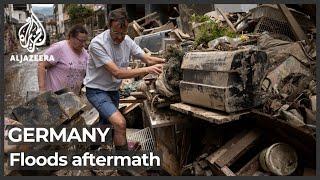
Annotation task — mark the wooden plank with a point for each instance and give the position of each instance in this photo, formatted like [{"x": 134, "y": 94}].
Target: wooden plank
[
  {"x": 137, "y": 26},
  {"x": 182, "y": 34},
  {"x": 130, "y": 108},
  {"x": 238, "y": 148},
  {"x": 158, "y": 29},
  {"x": 217, "y": 154},
  {"x": 131, "y": 100},
  {"x": 175, "y": 34},
  {"x": 138, "y": 95},
  {"x": 163, "y": 122},
  {"x": 226, "y": 171},
  {"x": 212, "y": 116},
  {"x": 145, "y": 17},
  {"x": 295, "y": 27},
  {"x": 227, "y": 20},
  {"x": 251, "y": 167},
  {"x": 136, "y": 29}
]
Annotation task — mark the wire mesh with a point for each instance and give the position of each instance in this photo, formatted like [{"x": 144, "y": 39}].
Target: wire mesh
[
  {"x": 280, "y": 29},
  {"x": 144, "y": 137}
]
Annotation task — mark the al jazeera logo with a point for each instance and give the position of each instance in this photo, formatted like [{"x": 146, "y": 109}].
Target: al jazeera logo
[{"x": 31, "y": 35}]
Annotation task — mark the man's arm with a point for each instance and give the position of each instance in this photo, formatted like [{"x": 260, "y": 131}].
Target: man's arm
[
  {"x": 42, "y": 66},
  {"x": 150, "y": 60},
  {"x": 131, "y": 73}
]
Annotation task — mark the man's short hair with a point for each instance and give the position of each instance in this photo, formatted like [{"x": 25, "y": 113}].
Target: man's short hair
[{"x": 120, "y": 15}]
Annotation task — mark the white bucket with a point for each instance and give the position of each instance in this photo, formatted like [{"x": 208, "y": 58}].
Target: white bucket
[{"x": 280, "y": 159}]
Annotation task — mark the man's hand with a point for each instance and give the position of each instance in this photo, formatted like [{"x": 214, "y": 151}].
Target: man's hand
[
  {"x": 121, "y": 73},
  {"x": 150, "y": 60},
  {"x": 160, "y": 60},
  {"x": 155, "y": 69}
]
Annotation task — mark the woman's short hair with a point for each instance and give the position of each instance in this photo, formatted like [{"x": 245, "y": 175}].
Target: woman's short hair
[{"x": 76, "y": 29}]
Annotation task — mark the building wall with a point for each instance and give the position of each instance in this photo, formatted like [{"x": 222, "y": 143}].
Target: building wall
[
  {"x": 235, "y": 7},
  {"x": 21, "y": 16}
]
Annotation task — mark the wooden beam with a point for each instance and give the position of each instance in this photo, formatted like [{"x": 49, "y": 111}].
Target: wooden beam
[
  {"x": 129, "y": 108},
  {"x": 295, "y": 27},
  {"x": 226, "y": 171},
  {"x": 145, "y": 17},
  {"x": 131, "y": 100},
  {"x": 227, "y": 20},
  {"x": 216, "y": 117},
  {"x": 212, "y": 158},
  {"x": 239, "y": 147}
]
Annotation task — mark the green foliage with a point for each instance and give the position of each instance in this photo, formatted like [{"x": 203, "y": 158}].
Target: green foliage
[
  {"x": 210, "y": 30},
  {"x": 198, "y": 18},
  {"x": 78, "y": 13}
]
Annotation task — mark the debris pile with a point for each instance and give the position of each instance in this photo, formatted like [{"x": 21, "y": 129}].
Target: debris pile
[
  {"x": 231, "y": 66},
  {"x": 250, "y": 75}
]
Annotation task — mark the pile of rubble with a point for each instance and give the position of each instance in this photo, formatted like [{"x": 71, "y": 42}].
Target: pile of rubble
[
  {"x": 257, "y": 66},
  {"x": 263, "y": 60}
]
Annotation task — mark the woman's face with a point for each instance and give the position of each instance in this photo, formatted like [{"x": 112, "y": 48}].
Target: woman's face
[{"x": 79, "y": 42}]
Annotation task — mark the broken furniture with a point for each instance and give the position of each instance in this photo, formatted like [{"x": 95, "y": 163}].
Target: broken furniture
[
  {"x": 242, "y": 148},
  {"x": 135, "y": 29},
  {"x": 228, "y": 81}
]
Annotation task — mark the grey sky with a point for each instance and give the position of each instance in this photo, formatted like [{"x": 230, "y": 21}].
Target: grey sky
[{"x": 42, "y": 5}]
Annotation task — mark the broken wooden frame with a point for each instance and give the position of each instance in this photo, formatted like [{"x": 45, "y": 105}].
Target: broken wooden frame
[{"x": 221, "y": 159}]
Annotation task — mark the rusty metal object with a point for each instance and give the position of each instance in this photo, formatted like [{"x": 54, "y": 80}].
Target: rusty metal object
[{"x": 224, "y": 80}]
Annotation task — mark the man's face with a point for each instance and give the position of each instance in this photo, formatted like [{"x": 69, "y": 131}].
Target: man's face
[
  {"x": 79, "y": 41},
  {"x": 117, "y": 32}
]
